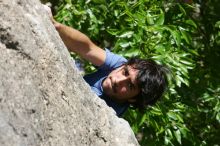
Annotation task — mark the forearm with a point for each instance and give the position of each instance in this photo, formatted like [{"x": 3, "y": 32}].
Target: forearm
[
  {"x": 79, "y": 43},
  {"x": 74, "y": 40}
]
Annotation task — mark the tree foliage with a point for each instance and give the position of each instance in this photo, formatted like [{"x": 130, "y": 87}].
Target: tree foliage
[{"x": 183, "y": 35}]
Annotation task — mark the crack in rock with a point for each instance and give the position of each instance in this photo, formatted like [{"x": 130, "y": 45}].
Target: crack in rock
[{"x": 6, "y": 39}]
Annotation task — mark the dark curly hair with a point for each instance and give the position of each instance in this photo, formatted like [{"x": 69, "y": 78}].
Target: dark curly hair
[{"x": 152, "y": 80}]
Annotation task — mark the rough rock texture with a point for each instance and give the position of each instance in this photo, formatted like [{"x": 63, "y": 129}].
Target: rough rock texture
[{"x": 43, "y": 99}]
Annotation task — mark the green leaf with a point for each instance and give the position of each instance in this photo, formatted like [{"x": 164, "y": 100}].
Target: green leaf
[
  {"x": 217, "y": 24},
  {"x": 186, "y": 36},
  {"x": 177, "y": 134},
  {"x": 99, "y": 1},
  {"x": 131, "y": 53},
  {"x": 166, "y": 140},
  {"x": 191, "y": 22},
  {"x": 172, "y": 115},
  {"x": 176, "y": 37},
  {"x": 169, "y": 133},
  {"x": 179, "y": 118},
  {"x": 186, "y": 62},
  {"x": 142, "y": 119},
  {"x": 149, "y": 19},
  {"x": 68, "y": 1},
  {"x": 218, "y": 117},
  {"x": 174, "y": 32},
  {"x": 124, "y": 44},
  {"x": 113, "y": 31},
  {"x": 127, "y": 34},
  {"x": 184, "y": 132},
  {"x": 156, "y": 111},
  {"x": 182, "y": 9},
  {"x": 160, "y": 20}
]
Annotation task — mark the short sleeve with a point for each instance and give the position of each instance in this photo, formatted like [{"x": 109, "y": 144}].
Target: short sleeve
[{"x": 112, "y": 61}]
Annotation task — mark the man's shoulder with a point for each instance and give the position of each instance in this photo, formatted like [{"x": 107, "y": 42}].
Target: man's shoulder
[{"x": 112, "y": 60}]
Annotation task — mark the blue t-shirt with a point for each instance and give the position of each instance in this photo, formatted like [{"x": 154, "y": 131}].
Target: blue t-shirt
[{"x": 95, "y": 80}]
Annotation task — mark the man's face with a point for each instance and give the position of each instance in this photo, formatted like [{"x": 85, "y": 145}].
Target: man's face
[{"x": 121, "y": 84}]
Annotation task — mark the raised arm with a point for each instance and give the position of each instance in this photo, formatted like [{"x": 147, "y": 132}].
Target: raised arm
[{"x": 79, "y": 43}]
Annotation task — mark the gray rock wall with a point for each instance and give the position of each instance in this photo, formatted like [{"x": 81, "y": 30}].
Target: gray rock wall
[{"x": 43, "y": 99}]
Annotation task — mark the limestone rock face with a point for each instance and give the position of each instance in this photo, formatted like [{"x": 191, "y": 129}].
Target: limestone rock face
[{"x": 43, "y": 99}]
